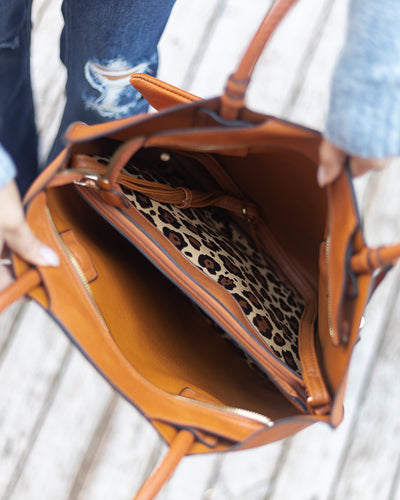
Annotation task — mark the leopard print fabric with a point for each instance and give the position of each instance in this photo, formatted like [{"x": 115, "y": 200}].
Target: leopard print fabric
[{"x": 211, "y": 240}]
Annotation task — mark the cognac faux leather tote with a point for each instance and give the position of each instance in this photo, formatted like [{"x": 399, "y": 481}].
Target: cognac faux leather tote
[{"x": 203, "y": 272}]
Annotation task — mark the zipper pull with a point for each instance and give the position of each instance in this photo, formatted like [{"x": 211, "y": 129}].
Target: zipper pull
[
  {"x": 88, "y": 180},
  {"x": 109, "y": 195}
]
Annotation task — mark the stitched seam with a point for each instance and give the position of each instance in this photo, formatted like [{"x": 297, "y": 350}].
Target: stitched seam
[{"x": 167, "y": 89}]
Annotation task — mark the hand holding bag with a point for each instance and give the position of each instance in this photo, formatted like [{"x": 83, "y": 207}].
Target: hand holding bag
[{"x": 203, "y": 272}]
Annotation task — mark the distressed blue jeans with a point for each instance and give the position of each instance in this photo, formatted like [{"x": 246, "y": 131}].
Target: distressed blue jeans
[{"x": 103, "y": 42}]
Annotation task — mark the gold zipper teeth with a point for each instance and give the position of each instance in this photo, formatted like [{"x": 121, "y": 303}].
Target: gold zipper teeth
[
  {"x": 77, "y": 268},
  {"x": 79, "y": 271},
  {"x": 252, "y": 415},
  {"x": 330, "y": 327}
]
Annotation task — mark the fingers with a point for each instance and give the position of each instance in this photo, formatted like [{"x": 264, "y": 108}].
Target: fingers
[
  {"x": 22, "y": 241},
  {"x": 332, "y": 160},
  {"x": 360, "y": 166},
  {"x": 17, "y": 235}
]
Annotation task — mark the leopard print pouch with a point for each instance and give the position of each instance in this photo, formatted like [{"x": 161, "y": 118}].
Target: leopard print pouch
[{"x": 214, "y": 241}]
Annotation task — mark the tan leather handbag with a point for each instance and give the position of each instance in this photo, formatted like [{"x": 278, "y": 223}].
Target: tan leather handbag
[{"x": 203, "y": 271}]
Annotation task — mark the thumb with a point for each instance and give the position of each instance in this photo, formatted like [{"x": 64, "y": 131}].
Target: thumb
[{"x": 331, "y": 162}]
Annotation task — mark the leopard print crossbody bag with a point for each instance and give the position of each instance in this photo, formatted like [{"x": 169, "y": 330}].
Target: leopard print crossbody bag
[{"x": 203, "y": 272}]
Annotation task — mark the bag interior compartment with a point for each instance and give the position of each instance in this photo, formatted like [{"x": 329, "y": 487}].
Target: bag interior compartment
[
  {"x": 154, "y": 324},
  {"x": 220, "y": 243}
]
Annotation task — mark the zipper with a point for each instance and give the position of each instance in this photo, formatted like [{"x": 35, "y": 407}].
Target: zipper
[
  {"x": 291, "y": 384},
  {"x": 330, "y": 314},
  {"x": 215, "y": 147},
  {"x": 251, "y": 415},
  {"x": 77, "y": 268}
]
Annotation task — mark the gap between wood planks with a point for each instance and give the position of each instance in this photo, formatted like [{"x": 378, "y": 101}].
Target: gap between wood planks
[
  {"x": 9, "y": 322},
  {"x": 93, "y": 447},
  {"x": 203, "y": 45},
  {"x": 35, "y": 431},
  {"x": 310, "y": 52}
]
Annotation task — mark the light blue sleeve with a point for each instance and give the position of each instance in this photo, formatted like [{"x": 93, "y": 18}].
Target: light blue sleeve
[
  {"x": 7, "y": 167},
  {"x": 364, "y": 111}
]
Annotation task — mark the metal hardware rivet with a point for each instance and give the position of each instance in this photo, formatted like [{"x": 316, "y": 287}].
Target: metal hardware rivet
[{"x": 165, "y": 156}]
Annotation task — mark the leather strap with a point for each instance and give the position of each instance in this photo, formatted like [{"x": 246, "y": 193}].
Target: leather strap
[
  {"x": 180, "y": 447},
  {"x": 181, "y": 197},
  {"x": 233, "y": 98},
  {"x": 22, "y": 286},
  {"x": 370, "y": 259},
  {"x": 121, "y": 158}
]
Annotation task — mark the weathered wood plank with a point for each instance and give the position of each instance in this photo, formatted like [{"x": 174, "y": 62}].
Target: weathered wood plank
[
  {"x": 65, "y": 433},
  {"x": 310, "y": 94},
  {"x": 226, "y": 41},
  {"x": 370, "y": 463},
  {"x": 126, "y": 452},
  {"x": 28, "y": 380},
  {"x": 179, "y": 55},
  {"x": 8, "y": 322},
  {"x": 192, "y": 478},
  {"x": 395, "y": 493},
  {"x": 246, "y": 474},
  {"x": 282, "y": 69}
]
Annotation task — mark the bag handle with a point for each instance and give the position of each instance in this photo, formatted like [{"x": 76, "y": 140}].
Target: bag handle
[
  {"x": 179, "y": 447},
  {"x": 233, "y": 98},
  {"x": 19, "y": 288}
]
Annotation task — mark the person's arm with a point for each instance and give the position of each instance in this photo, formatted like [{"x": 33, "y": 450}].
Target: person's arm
[
  {"x": 364, "y": 113},
  {"x": 15, "y": 233}
]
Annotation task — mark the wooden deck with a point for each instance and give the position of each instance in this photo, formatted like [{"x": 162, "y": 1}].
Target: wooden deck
[{"x": 64, "y": 434}]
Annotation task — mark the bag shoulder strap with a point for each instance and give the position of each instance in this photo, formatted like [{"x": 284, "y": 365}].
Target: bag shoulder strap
[{"x": 233, "y": 98}]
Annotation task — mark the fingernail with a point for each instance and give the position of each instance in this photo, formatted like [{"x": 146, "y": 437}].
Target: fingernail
[
  {"x": 48, "y": 257},
  {"x": 322, "y": 177}
]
